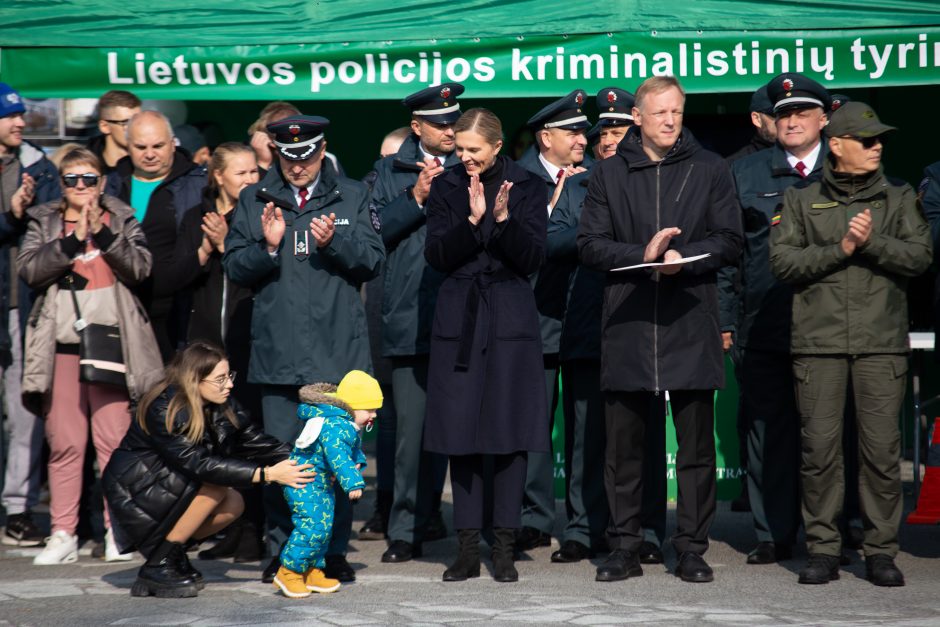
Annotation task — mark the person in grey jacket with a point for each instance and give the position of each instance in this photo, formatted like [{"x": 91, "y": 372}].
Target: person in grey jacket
[
  {"x": 87, "y": 249},
  {"x": 304, "y": 239}
]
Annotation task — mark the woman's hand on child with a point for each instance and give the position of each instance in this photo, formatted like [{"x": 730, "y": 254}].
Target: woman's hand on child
[
  {"x": 288, "y": 473},
  {"x": 355, "y": 495}
]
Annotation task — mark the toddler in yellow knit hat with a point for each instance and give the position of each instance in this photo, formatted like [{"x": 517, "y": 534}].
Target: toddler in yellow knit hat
[{"x": 330, "y": 442}]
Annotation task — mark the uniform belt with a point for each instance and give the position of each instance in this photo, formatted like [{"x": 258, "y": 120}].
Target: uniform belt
[{"x": 479, "y": 289}]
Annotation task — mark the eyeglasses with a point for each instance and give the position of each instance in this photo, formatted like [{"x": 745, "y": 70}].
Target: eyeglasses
[
  {"x": 867, "y": 142},
  {"x": 121, "y": 123},
  {"x": 222, "y": 380},
  {"x": 71, "y": 180}
]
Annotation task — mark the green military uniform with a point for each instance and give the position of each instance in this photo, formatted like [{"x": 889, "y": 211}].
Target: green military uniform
[{"x": 850, "y": 320}]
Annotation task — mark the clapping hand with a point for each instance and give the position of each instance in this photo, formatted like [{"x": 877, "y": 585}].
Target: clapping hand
[
  {"x": 659, "y": 243},
  {"x": 430, "y": 169},
  {"x": 215, "y": 228},
  {"x": 273, "y": 226},
  {"x": 23, "y": 196},
  {"x": 859, "y": 232},
  {"x": 477, "y": 201},
  {"x": 501, "y": 208},
  {"x": 323, "y": 229}
]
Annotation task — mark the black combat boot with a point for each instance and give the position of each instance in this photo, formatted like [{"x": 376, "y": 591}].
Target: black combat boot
[
  {"x": 160, "y": 576},
  {"x": 467, "y": 564}
]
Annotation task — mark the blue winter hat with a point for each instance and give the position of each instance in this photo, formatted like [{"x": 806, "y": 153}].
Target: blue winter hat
[{"x": 10, "y": 101}]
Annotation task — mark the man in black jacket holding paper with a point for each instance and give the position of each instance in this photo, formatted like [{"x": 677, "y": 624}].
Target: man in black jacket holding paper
[{"x": 662, "y": 198}]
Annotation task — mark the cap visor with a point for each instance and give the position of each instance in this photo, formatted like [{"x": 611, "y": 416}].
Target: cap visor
[{"x": 441, "y": 118}]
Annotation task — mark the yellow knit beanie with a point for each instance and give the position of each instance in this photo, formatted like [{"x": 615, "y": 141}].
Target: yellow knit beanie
[{"x": 359, "y": 391}]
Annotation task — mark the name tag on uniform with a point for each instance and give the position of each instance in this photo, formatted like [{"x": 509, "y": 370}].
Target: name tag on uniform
[{"x": 824, "y": 205}]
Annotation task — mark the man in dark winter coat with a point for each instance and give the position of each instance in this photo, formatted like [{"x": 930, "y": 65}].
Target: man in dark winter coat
[
  {"x": 559, "y": 146},
  {"x": 661, "y": 199},
  {"x": 27, "y": 178},
  {"x": 160, "y": 183},
  {"x": 400, "y": 194},
  {"x": 304, "y": 239}
]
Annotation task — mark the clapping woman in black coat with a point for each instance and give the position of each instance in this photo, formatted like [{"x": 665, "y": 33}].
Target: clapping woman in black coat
[
  {"x": 173, "y": 476},
  {"x": 486, "y": 387}
]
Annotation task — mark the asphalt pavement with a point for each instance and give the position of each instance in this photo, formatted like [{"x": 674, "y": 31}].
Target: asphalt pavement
[{"x": 92, "y": 592}]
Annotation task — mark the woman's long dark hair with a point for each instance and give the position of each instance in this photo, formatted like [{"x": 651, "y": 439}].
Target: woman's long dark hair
[{"x": 184, "y": 373}]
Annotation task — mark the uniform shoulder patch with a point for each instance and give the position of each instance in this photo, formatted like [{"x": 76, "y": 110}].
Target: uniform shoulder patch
[{"x": 374, "y": 217}]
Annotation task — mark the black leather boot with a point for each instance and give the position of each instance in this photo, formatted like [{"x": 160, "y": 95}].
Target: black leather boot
[
  {"x": 227, "y": 546},
  {"x": 186, "y": 567},
  {"x": 467, "y": 564},
  {"x": 504, "y": 571},
  {"x": 160, "y": 576}
]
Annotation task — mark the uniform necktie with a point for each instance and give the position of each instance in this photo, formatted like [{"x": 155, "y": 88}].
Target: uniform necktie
[
  {"x": 801, "y": 168},
  {"x": 560, "y": 174},
  {"x": 303, "y": 197},
  {"x": 437, "y": 162}
]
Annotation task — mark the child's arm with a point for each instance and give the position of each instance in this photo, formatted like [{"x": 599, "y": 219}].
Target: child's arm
[{"x": 339, "y": 444}]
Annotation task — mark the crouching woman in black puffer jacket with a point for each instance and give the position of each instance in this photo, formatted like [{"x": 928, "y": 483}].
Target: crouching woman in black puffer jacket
[{"x": 173, "y": 476}]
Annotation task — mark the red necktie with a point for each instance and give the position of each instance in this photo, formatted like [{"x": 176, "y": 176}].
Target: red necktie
[
  {"x": 560, "y": 174},
  {"x": 801, "y": 168},
  {"x": 303, "y": 197},
  {"x": 437, "y": 162}
]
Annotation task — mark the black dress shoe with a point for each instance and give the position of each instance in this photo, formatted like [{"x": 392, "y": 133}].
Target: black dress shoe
[
  {"x": 769, "y": 553},
  {"x": 693, "y": 568},
  {"x": 529, "y": 538},
  {"x": 401, "y": 551},
  {"x": 820, "y": 569},
  {"x": 881, "y": 571},
  {"x": 620, "y": 564},
  {"x": 338, "y": 568},
  {"x": 267, "y": 575},
  {"x": 571, "y": 552},
  {"x": 649, "y": 553}
]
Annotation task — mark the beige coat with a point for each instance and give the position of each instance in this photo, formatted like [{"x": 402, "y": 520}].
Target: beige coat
[{"x": 41, "y": 263}]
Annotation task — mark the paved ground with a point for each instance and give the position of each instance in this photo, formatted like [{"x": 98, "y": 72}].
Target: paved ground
[{"x": 94, "y": 593}]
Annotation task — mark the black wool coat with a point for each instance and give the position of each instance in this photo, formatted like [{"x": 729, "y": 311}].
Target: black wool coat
[
  {"x": 153, "y": 476},
  {"x": 660, "y": 332},
  {"x": 486, "y": 386}
]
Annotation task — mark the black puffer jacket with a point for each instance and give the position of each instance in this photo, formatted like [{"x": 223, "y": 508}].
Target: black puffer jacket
[{"x": 152, "y": 477}]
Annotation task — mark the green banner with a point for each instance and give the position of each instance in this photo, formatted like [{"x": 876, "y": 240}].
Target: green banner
[{"x": 494, "y": 67}]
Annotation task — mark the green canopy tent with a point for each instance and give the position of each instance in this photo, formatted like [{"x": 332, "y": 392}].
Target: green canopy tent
[{"x": 367, "y": 50}]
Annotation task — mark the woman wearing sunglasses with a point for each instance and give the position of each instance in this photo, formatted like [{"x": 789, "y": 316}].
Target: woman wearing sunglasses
[
  {"x": 174, "y": 474},
  {"x": 83, "y": 253}
]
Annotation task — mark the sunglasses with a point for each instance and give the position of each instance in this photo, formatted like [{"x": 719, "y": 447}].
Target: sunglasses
[
  {"x": 867, "y": 142},
  {"x": 71, "y": 180}
]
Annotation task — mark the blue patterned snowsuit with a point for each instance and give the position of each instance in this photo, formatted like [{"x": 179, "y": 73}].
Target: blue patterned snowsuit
[{"x": 334, "y": 453}]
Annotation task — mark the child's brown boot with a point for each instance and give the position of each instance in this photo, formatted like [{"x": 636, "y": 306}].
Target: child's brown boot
[{"x": 291, "y": 583}]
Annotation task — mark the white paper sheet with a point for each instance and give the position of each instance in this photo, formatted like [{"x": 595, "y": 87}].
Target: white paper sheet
[{"x": 661, "y": 264}]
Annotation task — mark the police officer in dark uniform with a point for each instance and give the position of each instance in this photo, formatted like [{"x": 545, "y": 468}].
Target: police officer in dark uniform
[
  {"x": 559, "y": 146},
  {"x": 761, "y": 337},
  {"x": 400, "y": 193},
  {"x": 304, "y": 239},
  {"x": 765, "y": 126}
]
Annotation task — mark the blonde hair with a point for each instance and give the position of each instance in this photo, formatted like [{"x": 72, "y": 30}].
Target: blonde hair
[
  {"x": 184, "y": 373},
  {"x": 656, "y": 85},
  {"x": 221, "y": 156},
  {"x": 63, "y": 151},
  {"x": 272, "y": 112},
  {"x": 483, "y": 122}
]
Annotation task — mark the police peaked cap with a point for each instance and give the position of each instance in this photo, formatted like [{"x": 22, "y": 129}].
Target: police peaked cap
[
  {"x": 298, "y": 137},
  {"x": 566, "y": 113},
  {"x": 436, "y": 104}
]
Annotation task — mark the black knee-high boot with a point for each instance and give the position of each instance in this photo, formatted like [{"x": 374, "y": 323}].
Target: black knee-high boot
[
  {"x": 503, "y": 569},
  {"x": 467, "y": 564},
  {"x": 161, "y": 576}
]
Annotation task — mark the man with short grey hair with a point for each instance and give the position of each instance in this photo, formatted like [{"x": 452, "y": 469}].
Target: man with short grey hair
[{"x": 160, "y": 183}]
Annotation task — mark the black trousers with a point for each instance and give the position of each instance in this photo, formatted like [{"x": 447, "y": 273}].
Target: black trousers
[
  {"x": 466, "y": 477},
  {"x": 627, "y": 415}
]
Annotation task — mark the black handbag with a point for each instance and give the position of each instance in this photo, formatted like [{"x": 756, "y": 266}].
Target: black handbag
[{"x": 100, "y": 353}]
